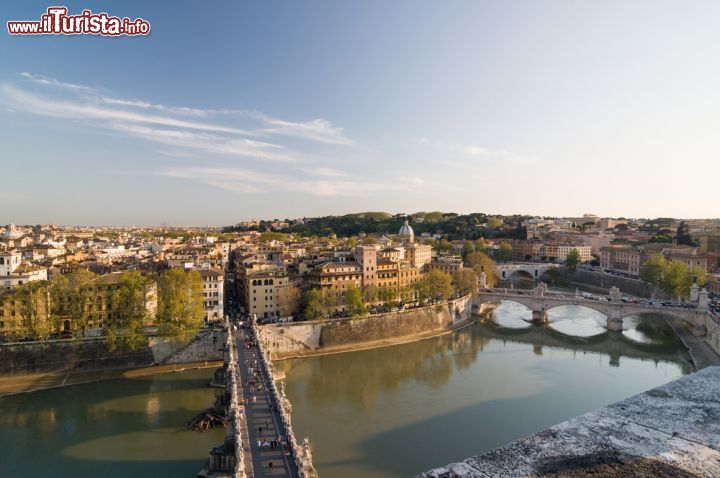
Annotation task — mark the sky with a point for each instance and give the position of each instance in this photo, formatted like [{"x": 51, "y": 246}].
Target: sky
[{"x": 236, "y": 110}]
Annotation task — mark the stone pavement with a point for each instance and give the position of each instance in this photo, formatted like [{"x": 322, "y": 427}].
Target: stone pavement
[{"x": 263, "y": 421}]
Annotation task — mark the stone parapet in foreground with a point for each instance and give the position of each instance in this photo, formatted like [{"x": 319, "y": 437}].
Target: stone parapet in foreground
[{"x": 669, "y": 431}]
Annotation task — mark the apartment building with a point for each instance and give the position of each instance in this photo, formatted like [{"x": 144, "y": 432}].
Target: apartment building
[
  {"x": 213, "y": 281},
  {"x": 621, "y": 259}
]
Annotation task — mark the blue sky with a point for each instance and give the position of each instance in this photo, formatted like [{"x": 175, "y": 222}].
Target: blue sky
[{"x": 303, "y": 108}]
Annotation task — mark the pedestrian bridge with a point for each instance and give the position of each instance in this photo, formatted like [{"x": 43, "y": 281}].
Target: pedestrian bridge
[
  {"x": 540, "y": 300},
  {"x": 530, "y": 270}
]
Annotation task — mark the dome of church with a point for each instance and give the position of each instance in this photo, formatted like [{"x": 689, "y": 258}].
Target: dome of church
[
  {"x": 12, "y": 231},
  {"x": 406, "y": 234},
  {"x": 406, "y": 230}
]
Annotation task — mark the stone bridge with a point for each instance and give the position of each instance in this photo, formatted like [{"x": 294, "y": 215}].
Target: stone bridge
[
  {"x": 533, "y": 270},
  {"x": 540, "y": 300}
]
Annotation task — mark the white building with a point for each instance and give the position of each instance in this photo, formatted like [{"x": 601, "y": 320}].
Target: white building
[{"x": 13, "y": 272}]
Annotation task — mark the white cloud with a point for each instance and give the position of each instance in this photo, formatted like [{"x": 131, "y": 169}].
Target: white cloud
[
  {"x": 319, "y": 130},
  {"x": 86, "y": 102},
  {"x": 247, "y": 181},
  {"x": 459, "y": 151},
  {"x": 43, "y": 80},
  {"x": 33, "y": 103},
  {"x": 209, "y": 142},
  {"x": 412, "y": 180}
]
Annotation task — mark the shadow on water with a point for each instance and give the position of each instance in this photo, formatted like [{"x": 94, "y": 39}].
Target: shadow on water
[
  {"x": 395, "y": 411},
  {"x": 464, "y": 434},
  {"x": 115, "y": 428}
]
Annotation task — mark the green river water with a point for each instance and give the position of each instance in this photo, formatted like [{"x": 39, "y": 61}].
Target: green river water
[{"x": 386, "y": 412}]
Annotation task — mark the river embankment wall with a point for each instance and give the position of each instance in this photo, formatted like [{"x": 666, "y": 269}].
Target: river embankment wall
[
  {"x": 91, "y": 354},
  {"x": 634, "y": 287},
  {"x": 319, "y": 337}
]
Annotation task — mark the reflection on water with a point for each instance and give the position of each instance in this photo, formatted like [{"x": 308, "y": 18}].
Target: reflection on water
[
  {"x": 395, "y": 411},
  {"x": 512, "y": 314},
  {"x": 577, "y": 321},
  {"x": 117, "y": 428}
]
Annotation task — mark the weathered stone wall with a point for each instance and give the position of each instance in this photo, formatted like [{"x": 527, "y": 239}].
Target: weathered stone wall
[
  {"x": 627, "y": 286},
  {"x": 67, "y": 356},
  {"x": 207, "y": 346},
  {"x": 712, "y": 324},
  {"x": 92, "y": 354},
  {"x": 303, "y": 337}
]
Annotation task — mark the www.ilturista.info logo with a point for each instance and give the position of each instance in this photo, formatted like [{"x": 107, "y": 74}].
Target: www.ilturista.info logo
[{"x": 57, "y": 22}]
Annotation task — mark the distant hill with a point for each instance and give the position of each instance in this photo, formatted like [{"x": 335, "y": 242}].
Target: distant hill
[{"x": 451, "y": 225}]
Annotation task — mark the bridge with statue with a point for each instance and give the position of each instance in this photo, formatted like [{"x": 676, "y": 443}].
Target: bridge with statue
[
  {"x": 540, "y": 300},
  {"x": 259, "y": 439}
]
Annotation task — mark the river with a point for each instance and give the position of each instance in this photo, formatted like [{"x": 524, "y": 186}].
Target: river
[
  {"x": 380, "y": 413},
  {"x": 116, "y": 428},
  {"x": 396, "y": 411}
]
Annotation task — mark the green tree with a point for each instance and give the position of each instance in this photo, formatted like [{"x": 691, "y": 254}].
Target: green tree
[
  {"x": 652, "y": 270},
  {"x": 504, "y": 253},
  {"x": 288, "y": 300},
  {"x": 439, "y": 283},
  {"x": 494, "y": 223},
  {"x": 34, "y": 309},
  {"x": 466, "y": 281},
  {"x": 468, "y": 247},
  {"x": 73, "y": 298},
  {"x": 354, "y": 302},
  {"x": 388, "y": 296},
  {"x": 480, "y": 262},
  {"x": 130, "y": 312},
  {"x": 422, "y": 291},
  {"x": 572, "y": 260},
  {"x": 313, "y": 304},
  {"x": 674, "y": 277},
  {"x": 180, "y": 302},
  {"x": 683, "y": 235}
]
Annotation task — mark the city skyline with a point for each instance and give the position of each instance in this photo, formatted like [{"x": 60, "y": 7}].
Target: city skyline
[{"x": 285, "y": 111}]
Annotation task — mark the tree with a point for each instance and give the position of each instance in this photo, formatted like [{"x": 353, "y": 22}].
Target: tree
[
  {"x": 466, "y": 281},
  {"x": 571, "y": 260},
  {"x": 288, "y": 300},
  {"x": 388, "y": 296},
  {"x": 130, "y": 312},
  {"x": 652, "y": 270},
  {"x": 442, "y": 245},
  {"x": 439, "y": 285},
  {"x": 674, "y": 277},
  {"x": 494, "y": 223},
  {"x": 354, "y": 302},
  {"x": 468, "y": 247},
  {"x": 73, "y": 298},
  {"x": 33, "y": 307},
  {"x": 504, "y": 253},
  {"x": 683, "y": 235},
  {"x": 313, "y": 304},
  {"x": 180, "y": 302},
  {"x": 480, "y": 262}
]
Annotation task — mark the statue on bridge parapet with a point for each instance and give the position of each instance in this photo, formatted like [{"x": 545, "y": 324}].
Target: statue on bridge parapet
[
  {"x": 694, "y": 293},
  {"x": 615, "y": 294},
  {"x": 703, "y": 300},
  {"x": 540, "y": 290},
  {"x": 483, "y": 279}
]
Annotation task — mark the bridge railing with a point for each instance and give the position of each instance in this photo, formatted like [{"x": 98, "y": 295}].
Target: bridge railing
[
  {"x": 235, "y": 415},
  {"x": 300, "y": 453}
]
